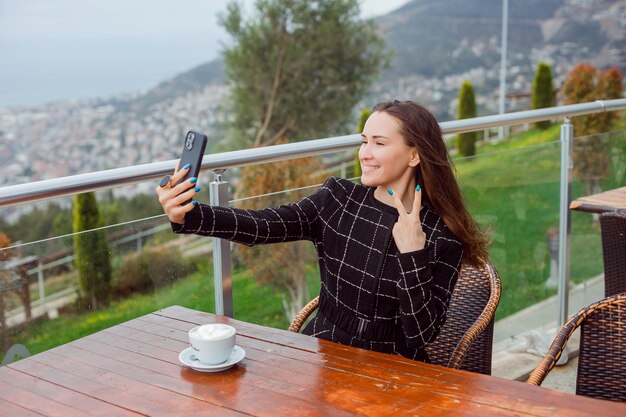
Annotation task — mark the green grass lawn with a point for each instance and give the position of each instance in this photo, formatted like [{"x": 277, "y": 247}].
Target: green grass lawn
[{"x": 252, "y": 303}]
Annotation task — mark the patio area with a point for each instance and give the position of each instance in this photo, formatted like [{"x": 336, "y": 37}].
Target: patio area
[
  {"x": 512, "y": 339},
  {"x": 519, "y": 341}
]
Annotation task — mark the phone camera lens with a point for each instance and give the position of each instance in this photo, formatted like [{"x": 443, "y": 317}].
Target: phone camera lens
[{"x": 189, "y": 141}]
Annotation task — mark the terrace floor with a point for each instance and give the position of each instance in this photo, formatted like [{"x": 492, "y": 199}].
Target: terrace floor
[{"x": 511, "y": 359}]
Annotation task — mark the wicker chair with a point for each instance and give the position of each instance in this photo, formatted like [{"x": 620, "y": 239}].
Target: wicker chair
[
  {"x": 602, "y": 355},
  {"x": 613, "y": 227},
  {"x": 465, "y": 340}
]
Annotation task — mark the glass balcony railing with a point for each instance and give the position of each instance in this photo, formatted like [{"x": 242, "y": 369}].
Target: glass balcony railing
[
  {"x": 602, "y": 167},
  {"x": 514, "y": 195},
  {"x": 287, "y": 271},
  {"x": 47, "y": 302},
  {"x": 513, "y": 192}
]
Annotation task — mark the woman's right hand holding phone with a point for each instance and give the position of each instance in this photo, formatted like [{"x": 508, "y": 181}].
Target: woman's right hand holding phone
[{"x": 177, "y": 200}]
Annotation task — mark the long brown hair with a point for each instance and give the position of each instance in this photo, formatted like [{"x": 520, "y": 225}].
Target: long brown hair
[{"x": 435, "y": 175}]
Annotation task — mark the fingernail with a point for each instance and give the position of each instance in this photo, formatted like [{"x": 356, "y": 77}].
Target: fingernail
[
  {"x": 186, "y": 166},
  {"x": 197, "y": 189},
  {"x": 417, "y": 188},
  {"x": 390, "y": 191},
  {"x": 193, "y": 180},
  {"x": 194, "y": 202}
]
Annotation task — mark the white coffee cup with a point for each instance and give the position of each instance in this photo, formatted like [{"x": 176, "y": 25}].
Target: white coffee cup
[{"x": 212, "y": 343}]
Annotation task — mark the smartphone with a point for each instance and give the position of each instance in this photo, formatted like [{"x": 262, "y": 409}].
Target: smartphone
[{"x": 193, "y": 151}]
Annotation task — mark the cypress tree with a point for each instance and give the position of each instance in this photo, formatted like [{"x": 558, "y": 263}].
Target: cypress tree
[
  {"x": 466, "y": 142},
  {"x": 91, "y": 251},
  {"x": 365, "y": 114},
  {"x": 543, "y": 92}
]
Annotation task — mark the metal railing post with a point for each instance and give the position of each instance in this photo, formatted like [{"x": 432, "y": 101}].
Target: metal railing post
[
  {"x": 40, "y": 283},
  {"x": 222, "y": 266},
  {"x": 565, "y": 220}
]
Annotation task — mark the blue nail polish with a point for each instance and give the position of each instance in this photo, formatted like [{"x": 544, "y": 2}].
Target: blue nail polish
[
  {"x": 197, "y": 189},
  {"x": 186, "y": 166},
  {"x": 193, "y": 180},
  {"x": 194, "y": 202},
  {"x": 417, "y": 188},
  {"x": 390, "y": 191}
]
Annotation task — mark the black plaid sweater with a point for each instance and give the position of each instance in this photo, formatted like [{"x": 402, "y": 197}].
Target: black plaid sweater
[{"x": 371, "y": 296}]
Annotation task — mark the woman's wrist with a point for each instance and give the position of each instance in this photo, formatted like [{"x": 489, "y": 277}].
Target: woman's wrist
[{"x": 414, "y": 245}]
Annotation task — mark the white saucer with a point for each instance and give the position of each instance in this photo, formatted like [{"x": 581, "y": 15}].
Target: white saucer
[{"x": 187, "y": 358}]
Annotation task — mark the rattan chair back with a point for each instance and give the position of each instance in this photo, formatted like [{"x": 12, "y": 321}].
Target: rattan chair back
[
  {"x": 602, "y": 355},
  {"x": 465, "y": 341},
  {"x": 613, "y": 227}
]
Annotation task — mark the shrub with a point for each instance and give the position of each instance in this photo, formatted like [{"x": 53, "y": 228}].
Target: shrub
[{"x": 150, "y": 270}]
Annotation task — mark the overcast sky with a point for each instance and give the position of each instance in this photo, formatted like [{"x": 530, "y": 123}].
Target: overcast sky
[{"x": 58, "y": 49}]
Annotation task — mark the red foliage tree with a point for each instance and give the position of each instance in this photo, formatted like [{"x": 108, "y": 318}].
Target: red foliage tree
[
  {"x": 283, "y": 265},
  {"x": 592, "y": 160}
]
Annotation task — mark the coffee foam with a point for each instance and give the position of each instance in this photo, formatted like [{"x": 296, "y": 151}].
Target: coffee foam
[{"x": 212, "y": 331}]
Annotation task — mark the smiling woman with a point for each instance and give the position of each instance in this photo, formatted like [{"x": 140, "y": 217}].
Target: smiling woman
[
  {"x": 387, "y": 159},
  {"x": 416, "y": 135},
  {"x": 390, "y": 249}
]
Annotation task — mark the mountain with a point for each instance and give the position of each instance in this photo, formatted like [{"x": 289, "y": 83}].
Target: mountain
[
  {"x": 443, "y": 37},
  {"x": 193, "y": 80},
  {"x": 439, "y": 38}
]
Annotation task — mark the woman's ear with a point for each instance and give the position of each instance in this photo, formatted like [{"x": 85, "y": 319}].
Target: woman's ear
[{"x": 415, "y": 158}]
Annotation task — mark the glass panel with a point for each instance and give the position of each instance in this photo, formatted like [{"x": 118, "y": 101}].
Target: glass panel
[
  {"x": 272, "y": 282},
  {"x": 515, "y": 193},
  {"x": 45, "y": 301},
  {"x": 599, "y": 165},
  {"x": 44, "y": 305},
  {"x": 512, "y": 190}
]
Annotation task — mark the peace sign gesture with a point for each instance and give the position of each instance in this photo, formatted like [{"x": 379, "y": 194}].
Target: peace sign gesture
[{"x": 408, "y": 232}]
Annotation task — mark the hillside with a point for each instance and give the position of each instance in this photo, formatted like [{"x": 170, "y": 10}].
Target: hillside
[
  {"x": 193, "y": 80},
  {"x": 458, "y": 34},
  {"x": 443, "y": 37},
  {"x": 439, "y": 38}
]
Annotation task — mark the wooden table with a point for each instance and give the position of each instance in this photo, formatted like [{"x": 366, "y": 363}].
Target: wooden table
[
  {"x": 132, "y": 369},
  {"x": 612, "y": 200}
]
